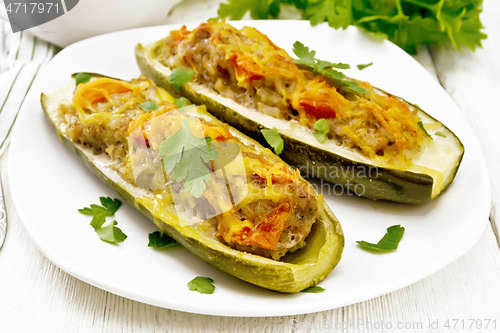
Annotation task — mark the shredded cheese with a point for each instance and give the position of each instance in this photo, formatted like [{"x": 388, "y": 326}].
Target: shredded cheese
[
  {"x": 254, "y": 71},
  {"x": 99, "y": 103}
]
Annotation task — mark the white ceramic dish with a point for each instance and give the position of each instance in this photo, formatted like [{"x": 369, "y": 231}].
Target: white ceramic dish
[{"x": 49, "y": 184}]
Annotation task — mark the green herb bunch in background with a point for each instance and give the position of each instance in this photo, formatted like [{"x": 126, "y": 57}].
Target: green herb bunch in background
[{"x": 407, "y": 23}]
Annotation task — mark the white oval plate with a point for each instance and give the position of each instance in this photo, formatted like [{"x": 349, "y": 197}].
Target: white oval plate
[{"x": 49, "y": 185}]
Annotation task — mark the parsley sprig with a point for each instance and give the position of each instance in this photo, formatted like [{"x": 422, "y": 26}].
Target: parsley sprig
[
  {"x": 108, "y": 208},
  {"x": 149, "y": 106},
  {"x": 308, "y": 61},
  {"x": 158, "y": 240},
  {"x": 81, "y": 78},
  {"x": 389, "y": 242},
  {"x": 179, "y": 76},
  {"x": 274, "y": 139},
  {"x": 322, "y": 129},
  {"x": 361, "y": 66},
  {"x": 407, "y": 23},
  {"x": 184, "y": 155},
  {"x": 313, "y": 290},
  {"x": 181, "y": 102},
  {"x": 109, "y": 233},
  {"x": 201, "y": 284}
]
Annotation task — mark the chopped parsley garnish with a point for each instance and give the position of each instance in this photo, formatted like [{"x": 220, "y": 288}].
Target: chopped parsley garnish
[
  {"x": 149, "y": 106},
  {"x": 406, "y": 23},
  {"x": 98, "y": 220},
  {"x": 108, "y": 208},
  {"x": 159, "y": 240},
  {"x": 109, "y": 233},
  {"x": 337, "y": 65},
  {"x": 315, "y": 290},
  {"x": 82, "y": 78},
  {"x": 361, "y": 67},
  {"x": 322, "y": 129},
  {"x": 423, "y": 129},
  {"x": 203, "y": 285},
  {"x": 324, "y": 68},
  {"x": 441, "y": 134},
  {"x": 179, "y": 76},
  {"x": 184, "y": 155},
  {"x": 389, "y": 242},
  {"x": 274, "y": 139},
  {"x": 181, "y": 102}
]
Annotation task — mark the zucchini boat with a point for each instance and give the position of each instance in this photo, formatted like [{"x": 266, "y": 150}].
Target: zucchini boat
[
  {"x": 369, "y": 142},
  {"x": 276, "y": 239}
]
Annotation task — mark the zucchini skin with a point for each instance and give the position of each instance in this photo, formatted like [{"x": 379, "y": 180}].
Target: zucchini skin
[
  {"x": 378, "y": 183},
  {"x": 293, "y": 273}
]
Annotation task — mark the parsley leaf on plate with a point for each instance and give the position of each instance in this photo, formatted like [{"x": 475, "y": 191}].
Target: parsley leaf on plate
[
  {"x": 149, "y": 106},
  {"x": 110, "y": 233},
  {"x": 93, "y": 210},
  {"x": 159, "y": 240},
  {"x": 361, "y": 67},
  {"x": 108, "y": 208},
  {"x": 315, "y": 290},
  {"x": 110, "y": 204},
  {"x": 203, "y": 285},
  {"x": 389, "y": 242},
  {"x": 274, "y": 139},
  {"x": 184, "y": 155},
  {"x": 308, "y": 61},
  {"x": 322, "y": 129},
  {"x": 181, "y": 102},
  {"x": 98, "y": 220},
  {"x": 179, "y": 76},
  {"x": 82, "y": 78}
]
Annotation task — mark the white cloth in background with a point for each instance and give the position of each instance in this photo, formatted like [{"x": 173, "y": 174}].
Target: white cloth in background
[{"x": 22, "y": 56}]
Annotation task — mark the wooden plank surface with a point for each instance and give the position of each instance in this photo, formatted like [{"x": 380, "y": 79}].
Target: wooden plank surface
[
  {"x": 473, "y": 80},
  {"x": 36, "y": 296}
]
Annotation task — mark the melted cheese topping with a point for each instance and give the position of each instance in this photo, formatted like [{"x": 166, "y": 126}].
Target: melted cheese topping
[
  {"x": 105, "y": 101},
  {"x": 246, "y": 66}
]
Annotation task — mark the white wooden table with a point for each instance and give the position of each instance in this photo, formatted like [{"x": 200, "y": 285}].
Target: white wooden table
[{"x": 36, "y": 296}]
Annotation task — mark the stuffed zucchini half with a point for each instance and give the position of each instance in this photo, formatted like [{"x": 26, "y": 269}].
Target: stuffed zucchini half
[
  {"x": 246, "y": 212},
  {"x": 371, "y": 143}
]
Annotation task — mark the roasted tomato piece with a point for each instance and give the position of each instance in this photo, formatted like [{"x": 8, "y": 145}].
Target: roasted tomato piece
[
  {"x": 267, "y": 233},
  {"x": 245, "y": 67}
]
